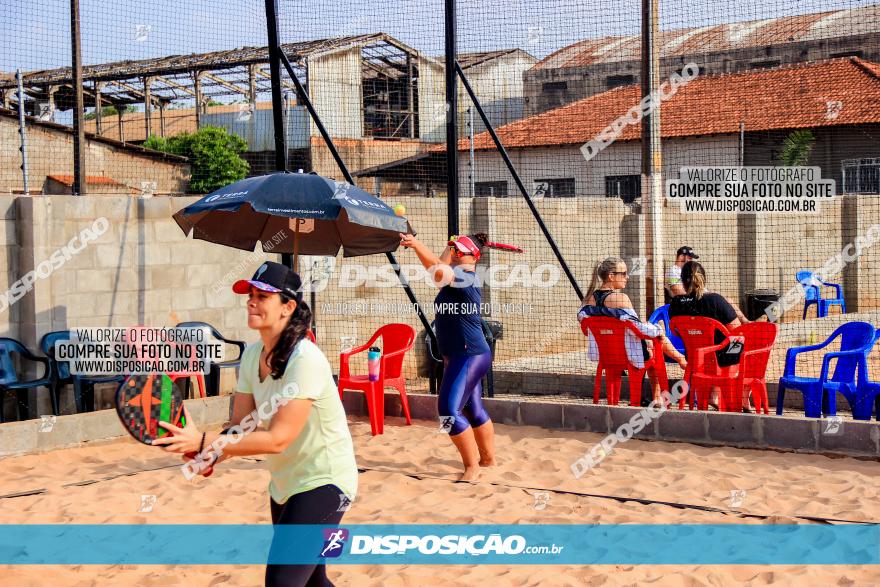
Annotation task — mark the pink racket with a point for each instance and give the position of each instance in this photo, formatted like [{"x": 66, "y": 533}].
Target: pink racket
[{"x": 504, "y": 247}]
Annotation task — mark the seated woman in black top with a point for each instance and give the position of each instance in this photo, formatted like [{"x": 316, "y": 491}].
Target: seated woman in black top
[{"x": 699, "y": 302}]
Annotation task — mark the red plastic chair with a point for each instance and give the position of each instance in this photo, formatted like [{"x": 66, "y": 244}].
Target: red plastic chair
[
  {"x": 609, "y": 335},
  {"x": 397, "y": 339},
  {"x": 759, "y": 339},
  {"x": 703, "y": 372}
]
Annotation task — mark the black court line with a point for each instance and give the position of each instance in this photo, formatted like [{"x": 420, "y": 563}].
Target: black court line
[
  {"x": 422, "y": 477},
  {"x": 86, "y": 482},
  {"x": 624, "y": 499},
  {"x": 108, "y": 478}
]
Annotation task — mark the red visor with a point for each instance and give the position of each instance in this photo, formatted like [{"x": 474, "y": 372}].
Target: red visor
[{"x": 465, "y": 245}]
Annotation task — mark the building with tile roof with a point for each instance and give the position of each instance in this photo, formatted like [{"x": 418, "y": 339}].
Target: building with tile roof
[{"x": 593, "y": 66}]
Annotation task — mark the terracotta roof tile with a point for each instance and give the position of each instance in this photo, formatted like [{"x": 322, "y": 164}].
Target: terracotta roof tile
[{"x": 789, "y": 97}]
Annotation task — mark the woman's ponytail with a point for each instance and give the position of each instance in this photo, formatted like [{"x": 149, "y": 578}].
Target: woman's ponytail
[
  {"x": 693, "y": 278},
  {"x": 594, "y": 282},
  {"x": 295, "y": 330}
]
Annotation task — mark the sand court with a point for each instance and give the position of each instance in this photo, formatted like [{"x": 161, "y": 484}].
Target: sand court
[{"x": 408, "y": 477}]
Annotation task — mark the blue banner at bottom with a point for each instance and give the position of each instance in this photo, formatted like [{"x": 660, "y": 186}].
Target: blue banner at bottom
[{"x": 394, "y": 544}]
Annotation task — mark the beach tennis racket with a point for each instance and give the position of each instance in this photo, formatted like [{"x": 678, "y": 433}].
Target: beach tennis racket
[
  {"x": 142, "y": 401},
  {"x": 504, "y": 247}
]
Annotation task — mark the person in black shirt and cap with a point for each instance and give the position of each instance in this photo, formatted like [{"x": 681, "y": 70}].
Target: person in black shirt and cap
[
  {"x": 697, "y": 301},
  {"x": 673, "y": 286}
]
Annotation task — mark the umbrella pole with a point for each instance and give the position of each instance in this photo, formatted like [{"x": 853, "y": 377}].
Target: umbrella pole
[{"x": 296, "y": 247}]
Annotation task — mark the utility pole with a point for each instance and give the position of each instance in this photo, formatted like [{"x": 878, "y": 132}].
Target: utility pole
[
  {"x": 275, "y": 73},
  {"x": 652, "y": 158},
  {"x": 22, "y": 131},
  {"x": 473, "y": 171},
  {"x": 277, "y": 99},
  {"x": 451, "y": 121},
  {"x": 79, "y": 135}
]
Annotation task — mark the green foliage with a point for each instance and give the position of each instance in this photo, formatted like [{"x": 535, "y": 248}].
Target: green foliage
[
  {"x": 109, "y": 111},
  {"x": 213, "y": 154},
  {"x": 797, "y": 147}
]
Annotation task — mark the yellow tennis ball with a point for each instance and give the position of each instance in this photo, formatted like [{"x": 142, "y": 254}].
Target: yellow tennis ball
[{"x": 400, "y": 209}]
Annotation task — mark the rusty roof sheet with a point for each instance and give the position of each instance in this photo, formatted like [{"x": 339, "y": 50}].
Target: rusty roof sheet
[{"x": 721, "y": 37}]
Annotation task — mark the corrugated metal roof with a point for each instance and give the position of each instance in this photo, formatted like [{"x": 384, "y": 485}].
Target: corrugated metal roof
[
  {"x": 722, "y": 37},
  {"x": 468, "y": 60},
  {"x": 216, "y": 60}
]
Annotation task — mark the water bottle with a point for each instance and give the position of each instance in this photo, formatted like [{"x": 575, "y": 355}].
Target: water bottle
[{"x": 373, "y": 363}]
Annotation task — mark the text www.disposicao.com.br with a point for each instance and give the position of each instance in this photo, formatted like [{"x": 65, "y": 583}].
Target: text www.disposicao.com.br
[{"x": 747, "y": 206}]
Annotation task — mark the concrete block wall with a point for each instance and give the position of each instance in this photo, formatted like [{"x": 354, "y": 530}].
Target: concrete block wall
[{"x": 143, "y": 270}]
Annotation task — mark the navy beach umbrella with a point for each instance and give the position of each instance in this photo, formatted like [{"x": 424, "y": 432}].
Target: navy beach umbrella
[{"x": 306, "y": 213}]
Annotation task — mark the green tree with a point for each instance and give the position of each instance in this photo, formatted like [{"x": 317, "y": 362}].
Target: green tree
[
  {"x": 213, "y": 154},
  {"x": 796, "y": 148},
  {"x": 109, "y": 111}
]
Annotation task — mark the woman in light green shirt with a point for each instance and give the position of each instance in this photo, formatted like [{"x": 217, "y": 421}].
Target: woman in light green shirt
[{"x": 311, "y": 457}]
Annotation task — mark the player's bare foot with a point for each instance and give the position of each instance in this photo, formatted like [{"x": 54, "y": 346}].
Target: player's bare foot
[
  {"x": 487, "y": 462},
  {"x": 470, "y": 474}
]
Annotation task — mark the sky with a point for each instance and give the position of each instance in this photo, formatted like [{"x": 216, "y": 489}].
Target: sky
[{"x": 36, "y": 32}]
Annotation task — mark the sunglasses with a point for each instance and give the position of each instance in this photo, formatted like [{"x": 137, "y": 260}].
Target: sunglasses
[{"x": 624, "y": 273}]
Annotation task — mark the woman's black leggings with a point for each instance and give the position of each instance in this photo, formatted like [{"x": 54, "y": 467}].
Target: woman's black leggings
[{"x": 322, "y": 505}]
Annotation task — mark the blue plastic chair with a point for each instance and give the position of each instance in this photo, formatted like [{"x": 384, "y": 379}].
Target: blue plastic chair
[
  {"x": 813, "y": 292},
  {"x": 9, "y": 379},
  {"x": 867, "y": 398},
  {"x": 59, "y": 375},
  {"x": 213, "y": 378},
  {"x": 856, "y": 341},
  {"x": 659, "y": 315}
]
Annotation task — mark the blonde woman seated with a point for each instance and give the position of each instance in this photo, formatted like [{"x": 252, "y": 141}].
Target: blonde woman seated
[{"x": 604, "y": 298}]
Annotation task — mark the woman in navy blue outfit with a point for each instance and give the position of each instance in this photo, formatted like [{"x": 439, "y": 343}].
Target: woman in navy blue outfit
[{"x": 466, "y": 355}]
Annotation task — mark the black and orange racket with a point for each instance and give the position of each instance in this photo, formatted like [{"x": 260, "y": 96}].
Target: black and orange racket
[{"x": 142, "y": 401}]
